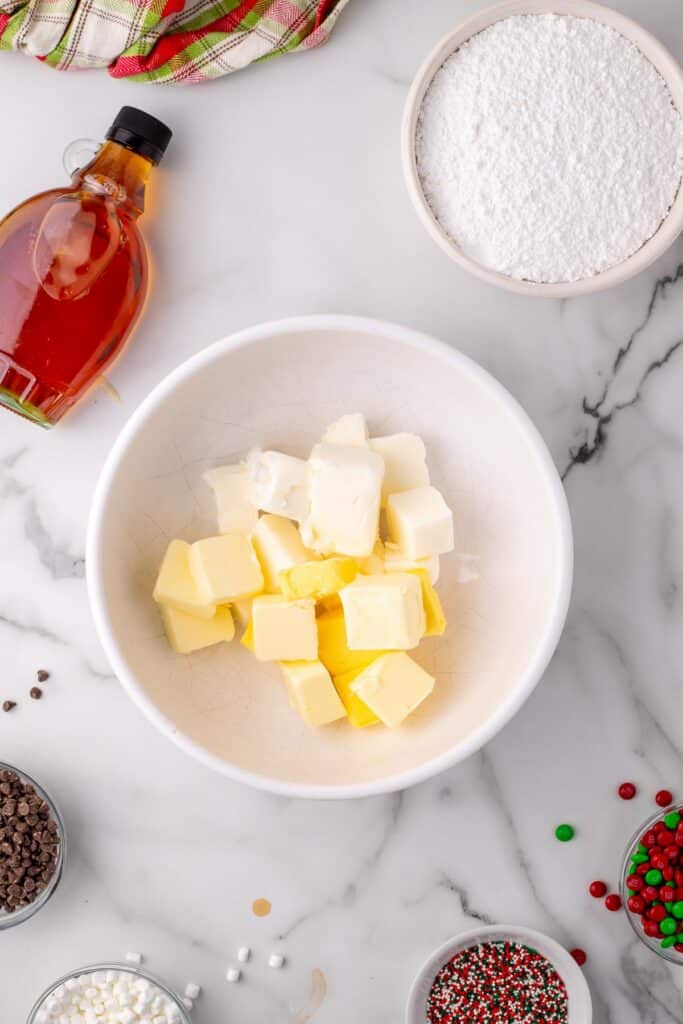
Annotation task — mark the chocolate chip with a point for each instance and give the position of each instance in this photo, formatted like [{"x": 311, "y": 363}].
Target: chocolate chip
[
  {"x": 36, "y": 692},
  {"x": 29, "y": 843},
  {"x": 42, "y": 676},
  {"x": 7, "y": 705}
]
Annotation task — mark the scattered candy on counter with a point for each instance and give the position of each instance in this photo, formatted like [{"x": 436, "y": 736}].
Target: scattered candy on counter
[
  {"x": 233, "y": 974},
  {"x": 243, "y": 954},
  {"x": 188, "y": 1004},
  {"x": 35, "y": 692},
  {"x": 192, "y": 990},
  {"x": 664, "y": 798},
  {"x": 579, "y": 955},
  {"x": 564, "y": 833},
  {"x": 134, "y": 958},
  {"x": 627, "y": 791},
  {"x": 276, "y": 960},
  {"x": 613, "y": 902},
  {"x": 29, "y": 842},
  {"x": 42, "y": 675},
  {"x": 108, "y": 995},
  {"x": 597, "y": 890},
  {"x": 8, "y": 705},
  {"x": 496, "y": 983}
]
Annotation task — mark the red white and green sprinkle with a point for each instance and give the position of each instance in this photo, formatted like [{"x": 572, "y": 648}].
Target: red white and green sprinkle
[{"x": 498, "y": 983}]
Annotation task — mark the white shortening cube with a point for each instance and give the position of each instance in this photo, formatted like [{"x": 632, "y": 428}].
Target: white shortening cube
[
  {"x": 312, "y": 692},
  {"x": 231, "y": 486},
  {"x": 392, "y": 687},
  {"x": 420, "y": 522},
  {"x": 346, "y": 486},
  {"x": 405, "y": 462},
  {"x": 279, "y": 546},
  {"x": 226, "y": 567},
  {"x": 348, "y": 430},
  {"x": 176, "y": 586},
  {"x": 279, "y": 484},
  {"x": 384, "y": 612},
  {"x": 284, "y": 630}
]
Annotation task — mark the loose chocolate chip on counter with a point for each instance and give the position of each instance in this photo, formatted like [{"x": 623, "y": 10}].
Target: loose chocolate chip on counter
[
  {"x": 36, "y": 692},
  {"x": 8, "y": 705},
  {"x": 42, "y": 675},
  {"x": 29, "y": 843}
]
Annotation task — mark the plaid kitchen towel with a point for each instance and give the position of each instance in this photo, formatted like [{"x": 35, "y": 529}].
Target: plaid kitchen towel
[{"x": 163, "y": 40}]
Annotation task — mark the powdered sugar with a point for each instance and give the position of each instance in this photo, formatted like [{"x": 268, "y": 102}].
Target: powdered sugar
[{"x": 549, "y": 147}]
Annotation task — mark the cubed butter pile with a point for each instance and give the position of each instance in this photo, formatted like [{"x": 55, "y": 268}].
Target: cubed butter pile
[{"x": 300, "y": 564}]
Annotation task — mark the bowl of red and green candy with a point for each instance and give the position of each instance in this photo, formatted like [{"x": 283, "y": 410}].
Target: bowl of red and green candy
[{"x": 652, "y": 883}]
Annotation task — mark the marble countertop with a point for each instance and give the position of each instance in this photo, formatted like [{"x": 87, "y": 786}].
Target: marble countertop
[{"x": 283, "y": 195}]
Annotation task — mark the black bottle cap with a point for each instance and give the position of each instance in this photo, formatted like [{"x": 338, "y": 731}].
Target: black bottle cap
[{"x": 141, "y": 133}]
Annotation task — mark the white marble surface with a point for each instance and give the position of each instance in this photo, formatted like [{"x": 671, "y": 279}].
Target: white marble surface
[{"x": 283, "y": 194}]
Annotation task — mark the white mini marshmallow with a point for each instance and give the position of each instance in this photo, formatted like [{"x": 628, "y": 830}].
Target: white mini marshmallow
[
  {"x": 233, "y": 974},
  {"x": 192, "y": 990},
  {"x": 133, "y": 958},
  {"x": 243, "y": 954},
  {"x": 188, "y": 1004},
  {"x": 276, "y": 960}
]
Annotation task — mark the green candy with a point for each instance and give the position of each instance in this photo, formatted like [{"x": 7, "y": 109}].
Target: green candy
[
  {"x": 672, "y": 819},
  {"x": 668, "y": 942},
  {"x": 641, "y": 848},
  {"x": 653, "y": 877},
  {"x": 564, "y": 833},
  {"x": 678, "y": 909},
  {"x": 669, "y": 907},
  {"x": 639, "y": 858},
  {"x": 668, "y": 926}
]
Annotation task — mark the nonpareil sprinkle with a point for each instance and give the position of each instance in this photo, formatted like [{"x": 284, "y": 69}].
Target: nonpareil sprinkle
[{"x": 498, "y": 983}]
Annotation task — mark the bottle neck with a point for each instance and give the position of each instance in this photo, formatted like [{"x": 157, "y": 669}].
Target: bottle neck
[{"x": 119, "y": 173}]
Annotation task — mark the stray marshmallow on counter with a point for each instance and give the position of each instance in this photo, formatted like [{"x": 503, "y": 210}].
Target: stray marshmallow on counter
[
  {"x": 276, "y": 960},
  {"x": 192, "y": 990},
  {"x": 134, "y": 958},
  {"x": 233, "y": 974},
  {"x": 243, "y": 954}
]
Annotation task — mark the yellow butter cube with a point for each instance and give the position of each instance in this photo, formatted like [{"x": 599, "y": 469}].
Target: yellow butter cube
[
  {"x": 333, "y": 649},
  {"x": 311, "y": 692},
  {"x": 176, "y": 587},
  {"x": 436, "y": 620},
  {"x": 226, "y": 567},
  {"x": 359, "y": 713},
  {"x": 186, "y": 633},
  {"x": 318, "y": 579},
  {"x": 383, "y": 612},
  {"x": 393, "y": 686},
  {"x": 279, "y": 546},
  {"x": 284, "y": 630}
]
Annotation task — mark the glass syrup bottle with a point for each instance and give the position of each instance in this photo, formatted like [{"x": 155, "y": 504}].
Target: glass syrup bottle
[{"x": 74, "y": 271}]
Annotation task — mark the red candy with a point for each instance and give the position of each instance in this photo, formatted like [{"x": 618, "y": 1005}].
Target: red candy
[
  {"x": 667, "y": 894},
  {"x": 636, "y": 904},
  {"x": 580, "y": 956},
  {"x": 627, "y": 791},
  {"x": 651, "y": 928},
  {"x": 665, "y": 837},
  {"x": 598, "y": 889},
  {"x": 668, "y": 873},
  {"x": 613, "y": 902},
  {"x": 634, "y": 882},
  {"x": 657, "y": 913},
  {"x": 649, "y": 839},
  {"x": 663, "y": 798},
  {"x": 672, "y": 852},
  {"x": 650, "y": 893},
  {"x": 678, "y": 946},
  {"x": 659, "y": 861}
]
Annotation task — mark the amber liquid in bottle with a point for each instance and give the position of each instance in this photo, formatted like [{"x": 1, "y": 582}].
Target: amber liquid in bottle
[{"x": 73, "y": 280}]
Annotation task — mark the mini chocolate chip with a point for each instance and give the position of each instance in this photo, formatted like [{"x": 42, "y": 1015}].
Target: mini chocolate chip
[
  {"x": 36, "y": 692},
  {"x": 7, "y": 705},
  {"x": 42, "y": 676}
]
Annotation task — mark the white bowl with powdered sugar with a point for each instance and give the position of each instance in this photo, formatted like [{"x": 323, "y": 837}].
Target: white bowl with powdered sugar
[{"x": 543, "y": 146}]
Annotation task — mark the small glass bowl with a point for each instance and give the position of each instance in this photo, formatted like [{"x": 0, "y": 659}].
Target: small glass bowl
[
  {"x": 9, "y": 920},
  {"x": 654, "y": 944},
  {"x": 136, "y": 972}
]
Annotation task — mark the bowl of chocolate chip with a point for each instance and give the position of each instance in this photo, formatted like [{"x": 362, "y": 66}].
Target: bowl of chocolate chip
[{"x": 32, "y": 846}]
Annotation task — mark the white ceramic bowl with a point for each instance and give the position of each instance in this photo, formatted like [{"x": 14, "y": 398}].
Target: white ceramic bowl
[
  {"x": 505, "y": 591},
  {"x": 669, "y": 69},
  {"x": 580, "y": 1008}
]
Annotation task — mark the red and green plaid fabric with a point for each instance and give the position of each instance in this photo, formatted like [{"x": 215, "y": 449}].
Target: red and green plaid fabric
[{"x": 163, "y": 40}]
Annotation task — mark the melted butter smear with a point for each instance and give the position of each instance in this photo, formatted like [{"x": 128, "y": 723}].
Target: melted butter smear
[{"x": 318, "y": 993}]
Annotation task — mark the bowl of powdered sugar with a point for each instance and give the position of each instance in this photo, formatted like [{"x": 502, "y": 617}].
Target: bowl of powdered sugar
[{"x": 543, "y": 146}]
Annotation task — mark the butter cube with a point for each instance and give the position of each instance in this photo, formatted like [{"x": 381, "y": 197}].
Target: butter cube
[
  {"x": 318, "y": 579},
  {"x": 346, "y": 484},
  {"x": 374, "y": 563},
  {"x": 405, "y": 462},
  {"x": 279, "y": 546},
  {"x": 420, "y": 522},
  {"x": 360, "y": 715},
  {"x": 226, "y": 567},
  {"x": 284, "y": 630},
  {"x": 176, "y": 586},
  {"x": 333, "y": 649},
  {"x": 231, "y": 489},
  {"x": 384, "y": 613},
  {"x": 396, "y": 561},
  {"x": 279, "y": 484},
  {"x": 186, "y": 633},
  {"x": 241, "y": 610},
  {"x": 392, "y": 687},
  {"x": 436, "y": 620},
  {"x": 311, "y": 692},
  {"x": 348, "y": 430}
]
